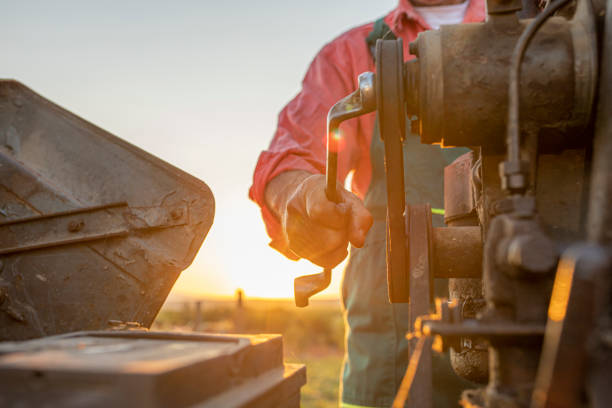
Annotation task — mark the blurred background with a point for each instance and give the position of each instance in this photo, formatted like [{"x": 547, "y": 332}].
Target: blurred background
[{"x": 199, "y": 84}]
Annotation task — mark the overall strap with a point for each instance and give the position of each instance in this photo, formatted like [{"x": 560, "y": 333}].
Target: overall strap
[{"x": 380, "y": 31}]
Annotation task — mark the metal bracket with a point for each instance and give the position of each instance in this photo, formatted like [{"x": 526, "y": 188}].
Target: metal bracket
[{"x": 85, "y": 225}]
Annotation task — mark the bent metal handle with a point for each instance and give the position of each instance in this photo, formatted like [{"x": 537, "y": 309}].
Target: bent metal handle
[{"x": 362, "y": 101}]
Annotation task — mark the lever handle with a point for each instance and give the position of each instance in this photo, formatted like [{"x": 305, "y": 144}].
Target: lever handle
[
  {"x": 362, "y": 101},
  {"x": 306, "y": 286}
]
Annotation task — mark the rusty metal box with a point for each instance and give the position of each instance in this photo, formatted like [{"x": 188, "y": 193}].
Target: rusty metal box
[
  {"x": 92, "y": 228},
  {"x": 148, "y": 369}
]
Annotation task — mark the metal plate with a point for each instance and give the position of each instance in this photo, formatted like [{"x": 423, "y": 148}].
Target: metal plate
[
  {"x": 54, "y": 166},
  {"x": 421, "y": 296},
  {"x": 148, "y": 369}
]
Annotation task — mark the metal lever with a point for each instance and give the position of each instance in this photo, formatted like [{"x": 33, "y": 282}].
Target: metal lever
[{"x": 360, "y": 102}]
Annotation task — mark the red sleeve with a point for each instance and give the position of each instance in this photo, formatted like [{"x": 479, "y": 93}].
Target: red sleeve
[{"x": 299, "y": 141}]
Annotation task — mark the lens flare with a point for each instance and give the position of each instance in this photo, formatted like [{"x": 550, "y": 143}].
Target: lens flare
[{"x": 337, "y": 140}]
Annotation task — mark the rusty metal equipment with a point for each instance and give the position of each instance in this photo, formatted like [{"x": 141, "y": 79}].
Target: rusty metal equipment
[
  {"x": 93, "y": 234},
  {"x": 527, "y": 247},
  {"x": 137, "y": 368},
  {"x": 92, "y": 229}
]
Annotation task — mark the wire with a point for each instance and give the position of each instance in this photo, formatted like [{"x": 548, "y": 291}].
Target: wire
[{"x": 513, "y": 140}]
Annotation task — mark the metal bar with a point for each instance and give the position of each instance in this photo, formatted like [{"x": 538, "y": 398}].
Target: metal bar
[
  {"x": 421, "y": 293},
  {"x": 64, "y": 213},
  {"x": 84, "y": 225},
  {"x": 391, "y": 115},
  {"x": 599, "y": 227},
  {"x": 62, "y": 229},
  {"x": 472, "y": 327}
]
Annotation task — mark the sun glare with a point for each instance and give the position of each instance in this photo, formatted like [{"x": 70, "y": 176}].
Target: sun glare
[{"x": 248, "y": 263}]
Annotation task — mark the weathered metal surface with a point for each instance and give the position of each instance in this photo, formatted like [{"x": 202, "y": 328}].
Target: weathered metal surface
[
  {"x": 561, "y": 204},
  {"x": 474, "y": 102},
  {"x": 462, "y": 185},
  {"x": 55, "y": 170},
  {"x": 457, "y": 252},
  {"x": 471, "y": 359},
  {"x": 474, "y": 328},
  {"x": 392, "y": 118},
  {"x": 459, "y": 200},
  {"x": 419, "y": 232},
  {"x": 548, "y": 165},
  {"x": 599, "y": 224},
  {"x": 571, "y": 323},
  {"x": 85, "y": 225},
  {"x": 532, "y": 135},
  {"x": 148, "y": 369}
]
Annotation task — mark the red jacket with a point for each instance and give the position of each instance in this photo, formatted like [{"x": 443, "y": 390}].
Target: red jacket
[{"x": 299, "y": 141}]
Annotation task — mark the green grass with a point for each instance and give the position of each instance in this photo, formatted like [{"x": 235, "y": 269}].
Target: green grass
[{"x": 321, "y": 390}]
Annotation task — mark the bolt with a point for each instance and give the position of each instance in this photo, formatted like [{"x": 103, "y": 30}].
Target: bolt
[
  {"x": 75, "y": 226},
  {"x": 176, "y": 213}
]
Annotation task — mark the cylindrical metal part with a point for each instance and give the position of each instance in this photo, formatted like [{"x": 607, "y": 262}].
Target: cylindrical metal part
[
  {"x": 457, "y": 252},
  {"x": 463, "y": 79}
]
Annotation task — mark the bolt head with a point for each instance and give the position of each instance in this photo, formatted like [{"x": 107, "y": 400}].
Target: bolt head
[
  {"x": 75, "y": 226},
  {"x": 533, "y": 253},
  {"x": 176, "y": 213}
]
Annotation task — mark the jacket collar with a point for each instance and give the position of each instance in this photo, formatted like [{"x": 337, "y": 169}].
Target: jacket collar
[{"x": 405, "y": 13}]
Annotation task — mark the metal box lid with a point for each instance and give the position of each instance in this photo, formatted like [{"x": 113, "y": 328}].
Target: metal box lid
[
  {"x": 148, "y": 369},
  {"x": 92, "y": 228}
]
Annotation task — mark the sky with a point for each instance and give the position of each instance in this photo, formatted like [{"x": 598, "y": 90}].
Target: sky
[{"x": 198, "y": 84}]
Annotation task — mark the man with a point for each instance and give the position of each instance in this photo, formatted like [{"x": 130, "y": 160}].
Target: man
[{"x": 289, "y": 187}]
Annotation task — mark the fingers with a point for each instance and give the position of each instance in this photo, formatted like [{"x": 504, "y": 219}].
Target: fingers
[
  {"x": 333, "y": 258},
  {"x": 319, "y": 208},
  {"x": 318, "y": 229},
  {"x": 360, "y": 219},
  {"x": 323, "y": 246}
]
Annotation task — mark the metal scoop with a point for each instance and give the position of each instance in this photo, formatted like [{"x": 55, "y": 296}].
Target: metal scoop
[{"x": 362, "y": 101}]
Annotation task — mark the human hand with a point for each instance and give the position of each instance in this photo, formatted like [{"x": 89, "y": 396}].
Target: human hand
[{"x": 319, "y": 229}]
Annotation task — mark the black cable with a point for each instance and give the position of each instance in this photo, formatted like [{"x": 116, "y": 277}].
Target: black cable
[{"x": 513, "y": 141}]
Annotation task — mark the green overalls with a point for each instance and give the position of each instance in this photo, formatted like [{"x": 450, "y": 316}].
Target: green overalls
[{"x": 376, "y": 347}]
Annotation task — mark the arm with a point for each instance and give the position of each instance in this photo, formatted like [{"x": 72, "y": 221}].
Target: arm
[{"x": 292, "y": 199}]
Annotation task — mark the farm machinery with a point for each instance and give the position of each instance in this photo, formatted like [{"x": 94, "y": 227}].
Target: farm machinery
[{"x": 528, "y": 211}]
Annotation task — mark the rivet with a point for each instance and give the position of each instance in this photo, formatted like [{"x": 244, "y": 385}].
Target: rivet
[
  {"x": 75, "y": 226},
  {"x": 176, "y": 213}
]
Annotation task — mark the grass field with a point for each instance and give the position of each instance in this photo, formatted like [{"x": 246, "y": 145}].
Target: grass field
[{"x": 312, "y": 336}]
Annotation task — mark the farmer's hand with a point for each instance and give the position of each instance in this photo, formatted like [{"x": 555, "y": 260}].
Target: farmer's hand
[{"x": 315, "y": 228}]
